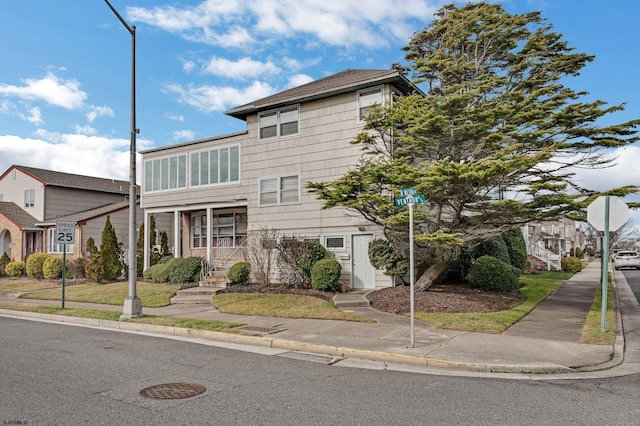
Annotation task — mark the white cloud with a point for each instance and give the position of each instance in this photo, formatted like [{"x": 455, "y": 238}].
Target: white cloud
[
  {"x": 188, "y": 66},
  {"x": 184, "y": 135},
  {"x": 99, "y": 111},
  {"x": 242, "y": 24},
  {"x": 175, "y": 117},
  {"x": 34, "y": 116},
  {"x": 210, "y": 99},
  {"x": 243, "y": 68},
  {"x": 85, "y": 130},
  {"x": 298, "y": 80},
  {"x": 51, "y": 89},
  {"x": 72, "y": 153}
]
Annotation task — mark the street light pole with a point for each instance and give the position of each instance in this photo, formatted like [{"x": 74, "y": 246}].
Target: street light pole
[{"x": 132, "y": 304}]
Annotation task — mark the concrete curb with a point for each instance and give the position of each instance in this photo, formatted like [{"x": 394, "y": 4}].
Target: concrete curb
[{"x": 291, "y": 345}]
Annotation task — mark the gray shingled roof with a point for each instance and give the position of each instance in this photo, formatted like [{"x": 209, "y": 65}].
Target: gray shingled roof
[
  {"x": 17, "y": 215},
  {"x": 342, "y": 82},
  {"x": 69, "y": 180}
]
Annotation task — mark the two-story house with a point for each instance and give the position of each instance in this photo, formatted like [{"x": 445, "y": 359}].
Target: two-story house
[
  {"x": 210, "y": 193},
  {"x": 32, "y": 200}
]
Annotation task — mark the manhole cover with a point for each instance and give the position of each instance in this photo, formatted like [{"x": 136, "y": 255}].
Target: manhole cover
[{"x": 173, "y": 391}]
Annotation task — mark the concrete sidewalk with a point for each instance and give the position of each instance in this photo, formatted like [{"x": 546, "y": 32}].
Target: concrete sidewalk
[{"x": 545, "y": 341}]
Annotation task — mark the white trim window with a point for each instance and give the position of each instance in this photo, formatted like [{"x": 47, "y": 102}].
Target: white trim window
[
  {"x": 279, "y": 190},
  {"x": 198, "y": 230},
  {"x": 275, "y": 124},
  {"x": 29, "y": 198},
  {"x": 215, "y": 166},
  {"x": 334, "y": 242},
  {"x": 52, "y": 247},
  {"x": 368, "y": 98},
  {"x": 164, "y": 174}
]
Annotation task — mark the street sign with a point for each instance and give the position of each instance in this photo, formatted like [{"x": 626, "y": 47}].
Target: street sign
[
  {"x": 410, "y": 200},
  {"x": 618, "y": 213},
  {"x": 65, "y": 232},
  {"x": 407, "y": 192}
]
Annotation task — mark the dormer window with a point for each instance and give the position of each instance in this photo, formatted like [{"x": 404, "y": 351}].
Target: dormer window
[{"x": 279, "y": 123}]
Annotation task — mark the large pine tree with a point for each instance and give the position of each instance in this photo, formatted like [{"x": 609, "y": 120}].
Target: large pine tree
[{"x": 493, "y": 143}]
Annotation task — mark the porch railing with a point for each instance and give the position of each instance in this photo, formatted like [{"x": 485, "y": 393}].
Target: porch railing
[
  {"x": 221, "y": 258},
  {"x": 547, "y": 256}
]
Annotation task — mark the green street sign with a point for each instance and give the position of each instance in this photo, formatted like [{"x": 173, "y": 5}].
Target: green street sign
[
  {"x": 410, "y": 200},
  {"x": 407, "y": 192}
]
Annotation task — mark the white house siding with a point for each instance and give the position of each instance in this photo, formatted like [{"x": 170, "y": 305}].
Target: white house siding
[{"x": 12, "y": 188}]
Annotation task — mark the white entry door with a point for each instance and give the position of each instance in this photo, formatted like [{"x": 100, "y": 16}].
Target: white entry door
[{"x": 363, "y": 275}]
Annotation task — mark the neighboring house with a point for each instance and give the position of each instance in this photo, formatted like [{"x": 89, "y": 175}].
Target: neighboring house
[
  {"x": 208, "y": 194},
  {"x": 32, "y": 200},
  {"x": 550, "y": 240}
]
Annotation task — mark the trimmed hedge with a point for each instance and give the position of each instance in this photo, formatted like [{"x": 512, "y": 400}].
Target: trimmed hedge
[
  {"x": 571, "y": 264},
  {"x": 489, "y": 273},
  {"x": 175, "y": 270},
  {"x": 52, "y": 268},
  {"x": 17, "y": 268},
  {"x": 325, "y": 275},
  {"x": 35, "y": 263},
  {"x": 239, "y": 273}
]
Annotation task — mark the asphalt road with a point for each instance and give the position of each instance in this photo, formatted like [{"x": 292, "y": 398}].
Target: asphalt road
[
  {"x": 633, "y": 279},
  {"x": 61, "y": 374}
]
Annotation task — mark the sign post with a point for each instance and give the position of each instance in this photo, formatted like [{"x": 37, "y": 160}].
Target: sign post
[
  {"x": 606, "y": 214},
  {"x": 65, "y": 234},
  {"x": 409, "y": 198}
]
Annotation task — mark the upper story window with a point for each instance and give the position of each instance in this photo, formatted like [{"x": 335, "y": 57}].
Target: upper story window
[
  {"x": 279, "y": 123},
  {"x": 279, "y": 190},
  {"x": 165, "y": 173},
  {"x": 29, "y": 198},
  {"x": 366, "y": 99},
  {"x": 215, "y": 166}
]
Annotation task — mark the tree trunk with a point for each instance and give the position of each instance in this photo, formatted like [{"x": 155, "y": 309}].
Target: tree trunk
[{"x": 430, "y": 275}]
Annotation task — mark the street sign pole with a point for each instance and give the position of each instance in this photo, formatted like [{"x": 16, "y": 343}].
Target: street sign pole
[
  {"x": 64, "y": 270},
  {"x": 605, "y": 266},
  {"x": 65, "y": 234},
  {"x": 411, "y": 274}
]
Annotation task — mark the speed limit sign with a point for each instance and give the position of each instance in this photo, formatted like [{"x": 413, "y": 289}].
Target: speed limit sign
[{"x": 65, "y": 232}]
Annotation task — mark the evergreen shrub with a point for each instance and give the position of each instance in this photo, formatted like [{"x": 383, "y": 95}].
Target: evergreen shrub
[
  {"x": 492, "y": 274},
  {"x": 185, "y": 270},
  {"x": 16, "y": 268},
  {"x": 4, "y": 261},
  {"x": 52, "y": 268},
  {"x": 35, "y": 262},
  {"x": 239, "y": 273},
  {"x": 571, "y": 264},
  {"x": 325, "y": 275}
]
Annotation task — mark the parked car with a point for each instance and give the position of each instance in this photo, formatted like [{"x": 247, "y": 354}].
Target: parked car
[{"x": 626, "y": 259}]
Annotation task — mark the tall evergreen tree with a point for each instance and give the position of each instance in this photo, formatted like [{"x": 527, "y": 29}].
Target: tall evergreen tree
[
  {"x": 110, "y": 252},
  {"x": 493, "y": 143}
]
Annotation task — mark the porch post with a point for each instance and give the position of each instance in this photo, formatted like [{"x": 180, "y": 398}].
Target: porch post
[
  {"x": 209, "y": 233},
  {"x": 146, "y": 240},
  {"x": 177, "y": 248}
]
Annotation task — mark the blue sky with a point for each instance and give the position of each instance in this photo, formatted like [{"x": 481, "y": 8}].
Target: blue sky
[{"x": 66, "y": 69}]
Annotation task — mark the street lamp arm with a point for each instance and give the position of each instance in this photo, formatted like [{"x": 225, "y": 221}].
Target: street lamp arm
[{"x": 132, "y": 30}]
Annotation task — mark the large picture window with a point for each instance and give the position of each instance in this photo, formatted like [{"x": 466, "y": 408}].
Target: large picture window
[
  {"x": 279, "y": 123},
  {"x": 279, "y": 190},
  {"x": 165, "y": 173},
  {"x": 366, "y": 99},
  {"x": 220, "y": 165}
]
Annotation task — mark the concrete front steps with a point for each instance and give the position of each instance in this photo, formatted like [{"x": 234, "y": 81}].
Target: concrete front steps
[
  {"x": 352, "y": 299},
  {"x": 195, "y": 295}
]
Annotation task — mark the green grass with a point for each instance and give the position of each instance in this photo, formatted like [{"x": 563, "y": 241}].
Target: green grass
[
  {"x": 536, "y": 289},
  {"x": 281, "y": 305},
  {"x": 151, "y": 295},
  {"x": 197, "y": 324},
  {"x": 591, "y": 333},
  {"x": 22, "y": 285}
]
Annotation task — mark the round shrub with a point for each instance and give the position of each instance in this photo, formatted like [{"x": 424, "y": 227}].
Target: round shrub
[
  {"x": 325, "y": 275},
  {"x": 52, "y": 268},
  {"x": 94, "y": 271},
  {"x": 489, "y": 273},
  {"x": 35, "y": 262},
  {"x": 570, "y": 264},
  {"x": 185, "y": 270},
  {"x": 17, "y": 268},
  {"x": 152, "y": 271},
  {"x": 239, "y": 273}
]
